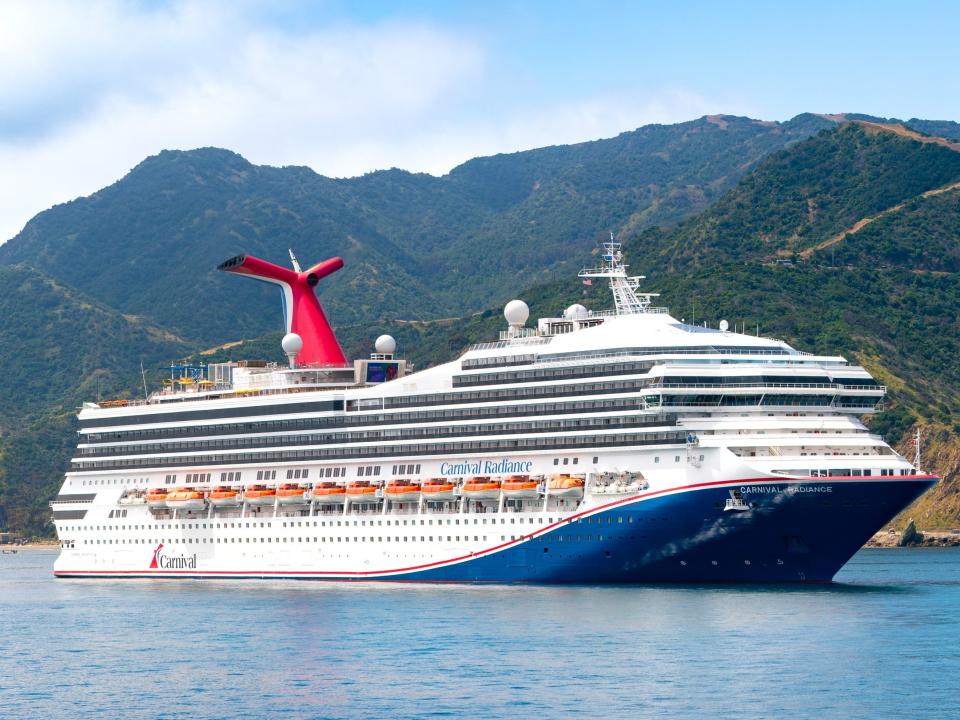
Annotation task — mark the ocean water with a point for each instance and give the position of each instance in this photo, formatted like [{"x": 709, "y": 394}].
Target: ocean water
[{"x": 883, "y": 642}]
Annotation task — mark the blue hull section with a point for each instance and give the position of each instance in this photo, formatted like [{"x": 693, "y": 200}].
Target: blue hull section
[{"x": 793, "y": 532}]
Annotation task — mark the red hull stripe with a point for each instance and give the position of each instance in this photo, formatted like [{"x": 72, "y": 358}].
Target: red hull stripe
[{"x": 501, "y": 546}]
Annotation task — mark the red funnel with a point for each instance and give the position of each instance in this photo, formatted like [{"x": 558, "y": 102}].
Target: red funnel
[{"x": 301, "y": 309}]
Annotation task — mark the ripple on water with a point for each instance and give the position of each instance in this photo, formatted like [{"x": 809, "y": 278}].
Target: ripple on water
[{"x": 880, "y": 642}]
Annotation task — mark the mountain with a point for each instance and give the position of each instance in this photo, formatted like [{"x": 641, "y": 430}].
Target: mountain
[
  {"x": 416, "y": 246},
  {"x": 837, "y": 234},
  {"x": 57, "y": 349},
  {"x": 819, "y": 188}
]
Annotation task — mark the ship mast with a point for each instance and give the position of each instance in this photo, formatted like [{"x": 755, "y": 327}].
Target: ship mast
[
  {"x": 624, "y": 287},
  {"x": 917, "y": 439}
]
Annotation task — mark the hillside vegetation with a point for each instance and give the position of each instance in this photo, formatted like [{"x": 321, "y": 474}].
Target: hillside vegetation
[
  {"x": 58, "y": 348},
  {"x": 840, "y": 239},
  {"x": 417, "y": 246}
]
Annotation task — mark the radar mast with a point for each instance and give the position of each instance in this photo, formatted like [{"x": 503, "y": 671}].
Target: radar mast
[{"x": 624, "y": 287}]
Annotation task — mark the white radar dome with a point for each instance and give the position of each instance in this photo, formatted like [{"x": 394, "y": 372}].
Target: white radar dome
[
  {"x": 385, "y": 345},
  {"x": 724, "y": 325},
  {"x": 516, "y": 312},
  {"x": 292, "y": 344},
  {"x": 575, "y": 312}
]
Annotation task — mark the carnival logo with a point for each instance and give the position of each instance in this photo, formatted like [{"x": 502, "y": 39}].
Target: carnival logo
[{"x": 162, "y": 561}]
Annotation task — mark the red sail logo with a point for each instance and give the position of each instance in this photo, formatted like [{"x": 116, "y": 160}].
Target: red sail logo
[{"x": 153, "y": 564}]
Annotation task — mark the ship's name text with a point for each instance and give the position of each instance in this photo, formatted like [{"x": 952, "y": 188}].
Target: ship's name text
[
  {"x": 485, "y": 467},
  {"x": 789, "y": 490}
]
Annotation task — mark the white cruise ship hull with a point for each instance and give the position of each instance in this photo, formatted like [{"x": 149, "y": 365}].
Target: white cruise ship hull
[{"x": 690, "y": 455}]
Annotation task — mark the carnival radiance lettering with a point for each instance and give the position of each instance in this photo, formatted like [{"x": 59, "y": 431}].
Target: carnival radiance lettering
[
  {"x": 485, "y": 467},
  {"x": 789, "y": 490}
]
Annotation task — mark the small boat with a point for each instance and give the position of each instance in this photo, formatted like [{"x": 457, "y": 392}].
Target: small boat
[
  {"x": 520, "y": 486},
  {"x": 329, "y": 493},
  {"x": 481, "y": 488},
  {"x": 736, "y": 503},
  {"x": 291, "y": 495},
  {"x": 437, "y": 490},
  {"x": 260, "y": 495},
  {"x": 402, "y": 491},
  {"x": 157, "y": 499},
  {"x": 361, "y": 491},
  {"x": 566, "y": 486},
  {"x": 185, "y": 498},
  {"x": 224, "y": 496}
]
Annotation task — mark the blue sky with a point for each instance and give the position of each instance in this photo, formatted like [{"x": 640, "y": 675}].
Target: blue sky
[{"x": 87, "y": 90}]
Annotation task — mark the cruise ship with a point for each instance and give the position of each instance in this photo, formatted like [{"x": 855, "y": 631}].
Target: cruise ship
[{"x": 622, "y": 446}]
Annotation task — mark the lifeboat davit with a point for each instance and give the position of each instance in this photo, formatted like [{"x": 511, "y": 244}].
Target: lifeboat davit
[
  {"x": 260, "y": 495},
  {"x": 481, "y": 488},
  {"x": 186, "y": 499},
  {"x": 329, "y": 494},
  {"x": 224, "y": 496},
  {"x": 437, "y": 490},
  {"x": 402, "y": 491},
  {"x": 520, "y": 486},
  {"x": 157, "y": 499},
  {"x": 291, "y": 495},
  {"x": 566, "y": 486},
  {"x": 361, "y": 491}
]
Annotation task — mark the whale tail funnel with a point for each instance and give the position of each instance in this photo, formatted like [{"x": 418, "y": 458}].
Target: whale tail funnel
[{"x": 302, "y": 313}]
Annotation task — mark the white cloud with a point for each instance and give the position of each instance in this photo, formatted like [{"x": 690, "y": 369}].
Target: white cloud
[{"x": 87, "y": 90}]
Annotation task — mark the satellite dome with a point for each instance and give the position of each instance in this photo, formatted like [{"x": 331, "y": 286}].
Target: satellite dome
[
  {"x": 575, "y": 312},
  {"x": 724, "y": 326},
  {"x": 292, "y": 344},
  {"x": 385, "y": 345},
  {"x": 516, "y": 312}
]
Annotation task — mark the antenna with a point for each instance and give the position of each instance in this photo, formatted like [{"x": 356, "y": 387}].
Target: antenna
[
  {"x": 143, "y": 374},
  {"x": 293, "y": 259},
  {"x": 916, "y": 446}
]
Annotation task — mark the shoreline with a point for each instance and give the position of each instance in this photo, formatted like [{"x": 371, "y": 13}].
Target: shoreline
[
  {"x": 33, "y": 545},
  {"x": 925, "y": 538}
]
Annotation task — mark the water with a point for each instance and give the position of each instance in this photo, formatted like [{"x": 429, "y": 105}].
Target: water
[{"x": 883, "y": 642}]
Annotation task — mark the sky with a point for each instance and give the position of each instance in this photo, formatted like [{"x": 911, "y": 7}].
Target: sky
[{"x": 88, "y": 89}]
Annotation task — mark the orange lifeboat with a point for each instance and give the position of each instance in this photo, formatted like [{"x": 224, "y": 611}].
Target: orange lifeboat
[
  {"x": 329, "y": 493},
  {"x": 223, "y": 496},
  {"x": 437, "y": 490},
  {"x": 157, "y": 499},
  {"x": 520, "y": 486},
  {"x": 402, "y": 491},
  {"x": 361, "y": 491},
  {"x": 186, "y": 498},
  {"x": 481, "y": 488},
  {"x": 291, "y": 495},
  {"x": 260, "y": 495},
  {"x": 566, "y": 486}
]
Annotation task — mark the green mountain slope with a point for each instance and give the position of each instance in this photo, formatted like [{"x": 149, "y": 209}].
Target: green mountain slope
[
  {"x": 844, "y": 242},
  {"x": 416, "y": 246},
  {"x": 803, "y": 196},
  {"x": 57, "y": 348}
]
